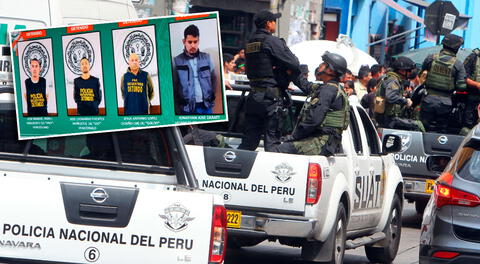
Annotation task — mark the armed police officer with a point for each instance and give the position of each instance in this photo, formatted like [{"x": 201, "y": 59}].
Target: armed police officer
[
  {"x": 391, "y": 88},
  {"x": 472, "y": 69},
  {"x": 324, "y": 115},
  {"x": 445, "y": 74},
  {"x": 268, "y": 62}
]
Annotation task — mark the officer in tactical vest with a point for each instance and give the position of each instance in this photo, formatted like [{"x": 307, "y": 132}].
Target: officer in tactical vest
[
  {"x": 268, "y": 61},
  {"x": 446, "y": 74},
  {"x": 324, "y": 115},
  {"x": 391, "y": 88},
  {"x": 472, "y": 69}
]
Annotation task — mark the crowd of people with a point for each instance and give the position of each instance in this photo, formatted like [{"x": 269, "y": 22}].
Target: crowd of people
[{"x": 442, "y": 95}]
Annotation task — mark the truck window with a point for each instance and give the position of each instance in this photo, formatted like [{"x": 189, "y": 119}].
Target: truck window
[
  {"x": 93, "y": 147},
  {"x": 9, "y": 142},
  {"x": 146, "y": 147},
  {"x": 357, "y": 141},
  {"x": 138, "y": 147},
  {"x": 370, "y": 132}
]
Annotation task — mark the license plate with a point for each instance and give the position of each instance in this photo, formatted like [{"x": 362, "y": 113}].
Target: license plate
[
  {"x": 234, "y": 218},
  {"x": 429, "y": 184}
]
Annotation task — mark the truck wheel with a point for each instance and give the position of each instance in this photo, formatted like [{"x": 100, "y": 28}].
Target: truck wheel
[
  {"x": 340, "y": 235},
  {"x": 393, "y": 232},
  {"x": 420, "y": 206}
]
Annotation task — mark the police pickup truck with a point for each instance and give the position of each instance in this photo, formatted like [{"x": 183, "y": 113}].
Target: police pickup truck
[
  {"x": 411, "y": 159},
  {"x": 322, "y": 204},
  {"x": 124, "y": 197}
]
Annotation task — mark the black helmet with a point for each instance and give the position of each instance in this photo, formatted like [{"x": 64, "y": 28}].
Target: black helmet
[
  {"x": 403, "y": 63},
  {"x": 452, "y": 42},
  {"x": 335, "y": 62}
]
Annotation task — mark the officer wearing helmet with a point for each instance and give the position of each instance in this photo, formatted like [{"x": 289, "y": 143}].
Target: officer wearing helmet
[
  {"x": 268, "y": 62},
  {"x": 325, "y": 113},
  {"x": 445, "y": 74},
  {"x": 391, "y": 88}
]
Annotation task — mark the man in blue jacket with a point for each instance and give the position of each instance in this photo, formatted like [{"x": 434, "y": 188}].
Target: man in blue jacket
[{"x": 194, "y": 78}]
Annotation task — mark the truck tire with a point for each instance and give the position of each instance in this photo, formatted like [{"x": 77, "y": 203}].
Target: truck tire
[
  {"x": 420, "y": 206},
  {"x": 340, "y": 235},
  {"x": 333, "y": 249},
  {"x": 393, "y": 232}
]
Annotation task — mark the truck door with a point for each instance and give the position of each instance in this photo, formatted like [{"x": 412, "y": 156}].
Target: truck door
[{"x": 366, "y": 175}]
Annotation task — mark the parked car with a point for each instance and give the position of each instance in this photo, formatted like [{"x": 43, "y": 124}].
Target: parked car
[{"x": 451, "y": 222}]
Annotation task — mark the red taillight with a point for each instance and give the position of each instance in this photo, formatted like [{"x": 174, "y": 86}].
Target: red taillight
[
  {"x": 445, "y": 254},
  {"x": 445, "y": 194},
  {"x": 314, "y": 183},
  {"x": 218, "y": 240}
]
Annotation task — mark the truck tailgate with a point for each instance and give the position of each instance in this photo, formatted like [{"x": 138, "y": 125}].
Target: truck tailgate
[
  {"x": 62, "y": 219},
  {"x": 256, "y": 181}
]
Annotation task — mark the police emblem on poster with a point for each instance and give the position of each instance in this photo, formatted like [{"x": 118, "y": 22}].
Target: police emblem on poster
[
  {"x": 77, "y": 49},
  {"x": 283, "y": 172},
  {"x": 176, "y": 217},
  {"x": 140, "y": 43},
  {"x": 36, "y": 50}
]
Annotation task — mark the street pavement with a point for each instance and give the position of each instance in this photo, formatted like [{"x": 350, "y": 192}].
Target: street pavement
[{"x": 269, "y": 252}]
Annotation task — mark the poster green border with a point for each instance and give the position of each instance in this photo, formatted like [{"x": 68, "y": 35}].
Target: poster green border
[{"x": 62, "y": 124}]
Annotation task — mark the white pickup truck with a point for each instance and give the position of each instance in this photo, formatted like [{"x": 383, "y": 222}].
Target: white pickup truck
[
  {"x": 322, "y": 204},
  {"x": 124, "y": 197}
]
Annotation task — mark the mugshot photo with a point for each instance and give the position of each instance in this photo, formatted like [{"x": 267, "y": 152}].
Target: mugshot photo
[
  {"x": 196, "y": 67},
  {"x": 136, "y": 71},
  {"x": 83, "y": 74},
  {"x": 37, "y": 78}
]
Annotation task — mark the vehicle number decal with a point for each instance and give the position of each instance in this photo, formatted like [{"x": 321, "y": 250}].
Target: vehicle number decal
[
  {"x": 234, "y": 218},
  {"x": 92, "y": 254}
]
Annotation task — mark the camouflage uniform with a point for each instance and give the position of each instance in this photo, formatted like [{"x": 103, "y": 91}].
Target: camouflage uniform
[
  {"x": 392, "y": 90},
  {"x": 321, "y": 122}
]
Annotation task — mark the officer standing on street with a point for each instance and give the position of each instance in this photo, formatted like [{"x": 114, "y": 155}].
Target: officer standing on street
[
  {"x": 392, "y": 89},
  {"x": 446, "y": 74},
  {"x": 472, "y": 69},
  {"x": 324, "y": 116},
  {"x": 268, "y": 62}
]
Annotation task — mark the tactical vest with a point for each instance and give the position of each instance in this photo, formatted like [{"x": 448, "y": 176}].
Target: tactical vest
[
  {"x": 258, "y": 62},
  {"x": 390, "y": 109},
  {"x": 333, "y": 118},
  {"x": 440, "y": 77}
]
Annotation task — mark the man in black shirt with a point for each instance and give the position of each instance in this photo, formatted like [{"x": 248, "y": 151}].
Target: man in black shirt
[
  {"x": 269, "y": 66},
  {"x": 87, "y": 93},
  {"x": 36, "y": 91}
]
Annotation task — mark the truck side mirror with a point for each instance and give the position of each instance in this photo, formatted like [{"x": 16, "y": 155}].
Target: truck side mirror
[
  {"x": 391, "y": 144},
  {"x": 437, "y": 163}
]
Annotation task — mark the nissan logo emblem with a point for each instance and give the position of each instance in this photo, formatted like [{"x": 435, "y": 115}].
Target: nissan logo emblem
[
  {"x": 229, "y": 156},
  {"x": 99, "y": 195},
  {"x": 442, "y": 140}
]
